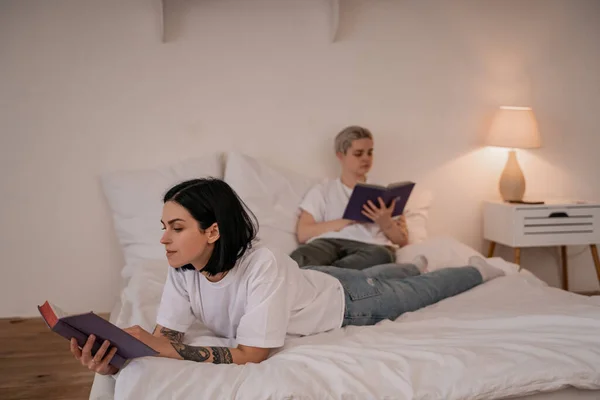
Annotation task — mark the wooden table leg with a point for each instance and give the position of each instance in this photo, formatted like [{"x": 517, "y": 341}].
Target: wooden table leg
[
  {"x": 565, "y": 272},
  {"x": 491, "y": 249},
  {"x": 596, "y": 260},
  {"x": 518, "y": 256}
]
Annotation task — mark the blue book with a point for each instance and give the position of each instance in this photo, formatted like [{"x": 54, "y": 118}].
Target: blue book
[{"x": 364, "y": 192}]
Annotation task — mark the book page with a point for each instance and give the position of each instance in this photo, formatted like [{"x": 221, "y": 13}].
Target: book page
[
  {"x": 59, "y": 313},
  {"x": 396, "y": 184},
  {"x": 371, "y": 185}
]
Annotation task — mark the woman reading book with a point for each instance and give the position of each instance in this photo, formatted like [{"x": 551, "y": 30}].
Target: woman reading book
[
  {"x": 327, "y": 238},
  {"x": 244, "y": 291}
]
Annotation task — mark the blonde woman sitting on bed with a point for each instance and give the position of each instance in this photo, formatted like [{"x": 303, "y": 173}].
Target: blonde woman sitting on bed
[
  {"x": 242, "y": 290},
  {"x": 327, "y": 238}
]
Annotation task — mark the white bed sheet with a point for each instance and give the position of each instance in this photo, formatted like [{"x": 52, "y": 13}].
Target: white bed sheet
[{"x": 513, "y": 336}]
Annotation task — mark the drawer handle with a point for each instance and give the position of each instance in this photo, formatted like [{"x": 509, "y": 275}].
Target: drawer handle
[{"x": 558, "y": 215}]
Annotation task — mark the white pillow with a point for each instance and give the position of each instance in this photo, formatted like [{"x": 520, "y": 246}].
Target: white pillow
[
  {"x": 274, "y": 238},
  {"x": 417, "y": 214},
  {"x": 272, "y": 194},
  {"x": 441, "y": 252},
  {"x": 135, "y": 200}
]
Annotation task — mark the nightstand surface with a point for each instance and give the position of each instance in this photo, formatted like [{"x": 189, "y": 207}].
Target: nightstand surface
[{"x": 537, "y": 225}]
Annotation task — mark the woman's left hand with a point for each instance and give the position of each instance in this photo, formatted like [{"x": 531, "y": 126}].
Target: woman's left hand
[
  {"x": 382, "y": 215},
  {"x": 147, "y": 338}
]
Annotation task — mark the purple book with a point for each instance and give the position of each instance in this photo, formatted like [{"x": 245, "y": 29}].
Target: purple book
[
  {"x": 80, "y": 326},
  {"x": 364, "y": 192}
]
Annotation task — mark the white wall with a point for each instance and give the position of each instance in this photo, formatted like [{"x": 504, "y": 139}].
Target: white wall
[{"x": 87, "y": 86}]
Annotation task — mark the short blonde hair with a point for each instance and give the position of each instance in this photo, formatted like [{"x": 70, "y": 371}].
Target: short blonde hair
[{"x": 343, "y": 140}]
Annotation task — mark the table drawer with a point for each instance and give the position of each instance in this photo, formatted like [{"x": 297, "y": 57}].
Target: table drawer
[{"x": 557, "y": 226}]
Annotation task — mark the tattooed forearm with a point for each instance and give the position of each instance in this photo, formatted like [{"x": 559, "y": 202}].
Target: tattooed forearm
[
  {"x": 173, "y": 336},
  {"x": 191, "y": 353},
  {"x": 220, "y": 355}
]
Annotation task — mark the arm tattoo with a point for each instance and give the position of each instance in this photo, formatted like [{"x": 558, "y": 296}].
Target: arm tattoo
[
  {"x": 173, "y": 336},
  {"x": 221, "y": 355},
  {"x": 191, "y": 353}
]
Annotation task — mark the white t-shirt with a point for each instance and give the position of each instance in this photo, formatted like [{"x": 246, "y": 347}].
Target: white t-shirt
[
  {"x": 327, "y": 201},
  {"x": 263, "y": 298}
]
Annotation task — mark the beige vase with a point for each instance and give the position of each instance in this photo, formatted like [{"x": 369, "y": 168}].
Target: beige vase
[{"x": 512, "y": 181}]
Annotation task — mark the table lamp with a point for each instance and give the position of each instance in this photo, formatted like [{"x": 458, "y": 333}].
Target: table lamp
[{"x": 515, "y": 128}]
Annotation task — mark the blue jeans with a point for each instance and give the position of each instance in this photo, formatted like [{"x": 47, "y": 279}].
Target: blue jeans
[{"x": 389, "y": 290}]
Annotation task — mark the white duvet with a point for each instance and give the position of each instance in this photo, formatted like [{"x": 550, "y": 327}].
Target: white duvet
[{"x": 511, "y": 336}]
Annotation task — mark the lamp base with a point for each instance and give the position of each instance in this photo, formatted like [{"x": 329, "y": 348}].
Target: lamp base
[{"x": 512, "y": 181}]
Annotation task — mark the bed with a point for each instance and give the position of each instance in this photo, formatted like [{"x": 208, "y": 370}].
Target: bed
[{"x": 513, "y": 337}]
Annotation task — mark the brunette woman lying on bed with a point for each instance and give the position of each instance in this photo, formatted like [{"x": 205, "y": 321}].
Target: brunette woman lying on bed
[{"x": 245, "y": 291}]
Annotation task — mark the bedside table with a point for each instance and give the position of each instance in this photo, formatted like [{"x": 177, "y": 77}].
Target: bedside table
[{"x": 539, "y": 225}]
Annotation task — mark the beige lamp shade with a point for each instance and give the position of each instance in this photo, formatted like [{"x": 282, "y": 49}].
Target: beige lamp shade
[{"x": 514, "y": 127}]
